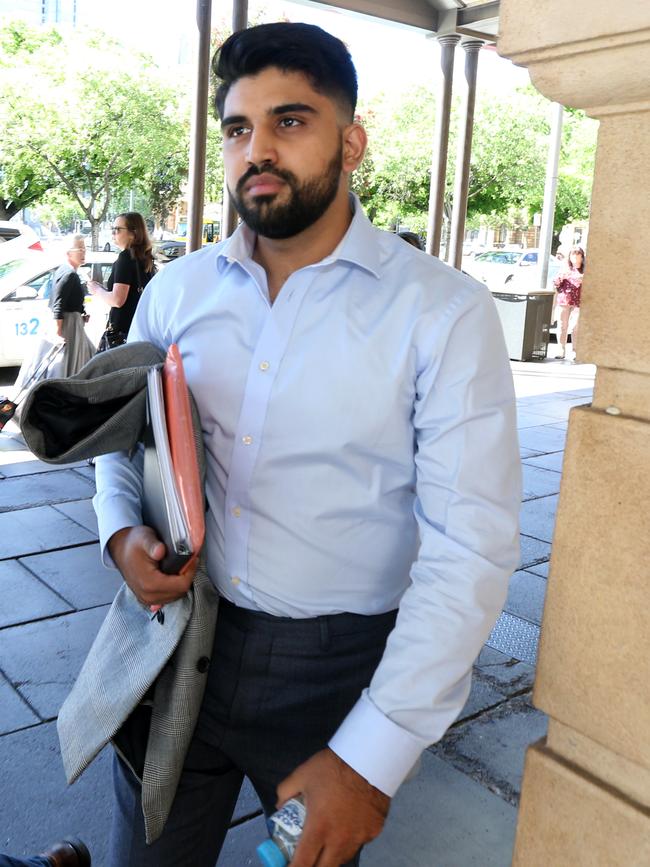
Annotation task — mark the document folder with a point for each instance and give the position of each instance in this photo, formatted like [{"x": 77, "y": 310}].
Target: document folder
[{"x": 173, "y": 500}]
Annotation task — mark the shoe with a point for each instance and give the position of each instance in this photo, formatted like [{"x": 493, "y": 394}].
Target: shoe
[{"x": 68, "y": 853}]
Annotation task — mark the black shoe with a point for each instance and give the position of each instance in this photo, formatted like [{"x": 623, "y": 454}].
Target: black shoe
[{"x": 68, "y": 853}]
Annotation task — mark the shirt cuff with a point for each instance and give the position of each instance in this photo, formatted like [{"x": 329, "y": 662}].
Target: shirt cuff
[{"x": 375, "y": 747}]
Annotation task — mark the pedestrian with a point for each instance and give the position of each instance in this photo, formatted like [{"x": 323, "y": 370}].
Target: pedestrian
[
  {"x": 363, "y": 488},
  {"x": 71, "y": 852},
  {"x": 131, "y": 272},
  {"x": 411, "y": 238},
  {"x": 568, "y": 288}
]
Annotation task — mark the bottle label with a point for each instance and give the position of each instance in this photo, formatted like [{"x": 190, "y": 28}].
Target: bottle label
[{"x": 290, "y": 818}]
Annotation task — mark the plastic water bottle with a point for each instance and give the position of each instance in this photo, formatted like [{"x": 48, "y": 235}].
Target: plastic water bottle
[{"x": 285, "y": 827}]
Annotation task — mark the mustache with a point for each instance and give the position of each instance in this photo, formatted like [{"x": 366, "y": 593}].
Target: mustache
[{"x": 253, "y": 171}]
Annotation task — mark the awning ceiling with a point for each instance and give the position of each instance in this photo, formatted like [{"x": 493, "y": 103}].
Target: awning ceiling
[{"x": 467, "y": 17}]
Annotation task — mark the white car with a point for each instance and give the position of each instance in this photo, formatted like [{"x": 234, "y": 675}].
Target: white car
[
  {"x": 500, "y": 269},
  {"x": 26, "y": 285},
  {"x": 16, "y": 239}
]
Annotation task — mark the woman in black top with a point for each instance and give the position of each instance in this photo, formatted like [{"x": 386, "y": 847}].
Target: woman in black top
[{"x": 131, "y": 272}]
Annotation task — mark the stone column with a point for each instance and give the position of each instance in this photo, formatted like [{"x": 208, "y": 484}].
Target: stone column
[
  {"x": 228, "y": 211},
  {"x": 441, "y": 143},
  {"x": 461, "y": 183},
  {"x": 199, "y": 126},
  {"x": 586, "y": 792}
]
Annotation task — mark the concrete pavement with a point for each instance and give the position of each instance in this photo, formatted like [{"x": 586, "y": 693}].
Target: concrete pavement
[{"x": 460, "y": 810}]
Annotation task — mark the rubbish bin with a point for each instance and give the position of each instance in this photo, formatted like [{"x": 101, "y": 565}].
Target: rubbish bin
[{"x": 526, "y": 321}]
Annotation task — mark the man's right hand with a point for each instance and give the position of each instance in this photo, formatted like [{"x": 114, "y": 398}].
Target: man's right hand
[{"x": 137, "y": 552}]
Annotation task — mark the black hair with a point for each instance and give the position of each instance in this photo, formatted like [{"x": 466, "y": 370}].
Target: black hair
[
  {"x": 305, "y": 48},
  {"x": 581, "y": 269},
  {"x": 411, "y": 238}
]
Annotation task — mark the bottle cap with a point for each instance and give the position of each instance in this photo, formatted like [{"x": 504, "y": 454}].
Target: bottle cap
[{"x": 270, "y": 855}]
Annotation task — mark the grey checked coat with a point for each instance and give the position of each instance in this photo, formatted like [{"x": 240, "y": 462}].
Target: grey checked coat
[{"x": 134, "y": 659}]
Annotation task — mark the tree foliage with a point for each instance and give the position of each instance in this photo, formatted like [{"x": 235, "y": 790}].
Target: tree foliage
[{"x": 87, "y": 116}]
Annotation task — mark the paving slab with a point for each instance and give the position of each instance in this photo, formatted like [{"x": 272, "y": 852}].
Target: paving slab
[
  {"x": 36, "y": 804},
  {"x": 86, "y": 471},
  {"x": 538, "y": 482},
  {"x": 42, "y": 659},
  {"x": 557, "y": 409},
  {"x": 540, "y": 569},
  {"x": 524, "y": 454},
  {"x": 483, "y": 694},
  {"x": 526, "y": 419},
  {"x": 510, "y": 675},
  {"x": 542, "y": 439},
  {"x": 492, "y": 747},
  {"x": 537, "y": 518},
  {"x": 533, "y": 551},
  {"x": 39, "y": 489},
  {"x": 29, "y": 531},
  {"x": 552, "y": 462},
  {"x": 30, "y": 467},
  {"x": 515, "y": 637},
  {"x": 14, "y": 712},
  {"x": 241, "y": 842},
  {"x": 82, "y": 512},
  {"x": 247, "y": 803},
  {"x": 23, "y": 597},
  {"x": 77, "y": 574},
  {"x": 443, "y": 818},
  {"x": 526, "y": 595}
]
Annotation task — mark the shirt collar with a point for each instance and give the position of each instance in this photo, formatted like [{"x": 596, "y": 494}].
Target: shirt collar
[{"x": 358, "y": 246}]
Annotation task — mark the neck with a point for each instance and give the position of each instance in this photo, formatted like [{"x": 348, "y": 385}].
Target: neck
[{"x": 281, "y": 257}]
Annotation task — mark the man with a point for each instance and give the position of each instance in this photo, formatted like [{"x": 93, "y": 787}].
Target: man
[
  {"x": 362, "y": 475},
  {"x": 68, "y": 309}
]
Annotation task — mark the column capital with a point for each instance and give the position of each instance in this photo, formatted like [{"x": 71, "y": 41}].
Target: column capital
[
  {"x": 448, "y": 39},
  {"x": 472, "y": 46},
  {"x": 600, "y": 64}
]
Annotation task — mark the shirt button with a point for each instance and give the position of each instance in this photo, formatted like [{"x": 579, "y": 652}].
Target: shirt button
[
  {"x": 235, "y": 580},
  {"x": 247, "y": 440},
  {"x": 264, "y": 365},
  {"x": 203, "y": 664},
  {"x": 236, "y": 511}
]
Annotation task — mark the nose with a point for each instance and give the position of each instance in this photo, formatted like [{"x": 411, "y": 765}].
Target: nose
[{"x": 261, "y": 148}]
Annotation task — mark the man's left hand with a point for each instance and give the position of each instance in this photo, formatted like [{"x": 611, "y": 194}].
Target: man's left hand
[{"x": 343, "y": 810}]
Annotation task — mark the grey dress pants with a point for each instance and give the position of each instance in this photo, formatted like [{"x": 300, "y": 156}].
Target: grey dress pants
[{"x": 277, "y": 690}]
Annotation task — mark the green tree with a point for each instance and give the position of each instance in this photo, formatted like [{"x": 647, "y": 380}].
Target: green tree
[{"x": 89, "y": 114}]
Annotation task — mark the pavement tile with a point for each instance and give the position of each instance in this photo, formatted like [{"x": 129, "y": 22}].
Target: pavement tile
[
  {"x": 29, "y": 468},
  {"x": 528, "y": 453},
  {"x": 526, "y": 595},
  {"x": 509, "y": 674},
  {"x": 77, "y": 574},
  {"x": 540, "y": 569},
  {"x": 539, "y": 482},
  {"x": 28, "y": 531},
  {"x": 42, "y": 659},
  {"x": 82, "y": 512},
  {"x": 247, "y": 803},
  {"x": 39, "y": 489},
  {"x": 15, "y": 714},
  {"x": 527, "y": 419},
  {"x": 533, "y": 551},
  {"x": 443, "y": 818},
  {"x": 24, "y": 597},
  {"x": 515, "y": 637},
  {"x": 482, "y": 695},
  {"x": 241, "y": 842},
  {"x": 546, "y": 462},
  {"x": 542, "y": 439},
  {"x": 36, "y": 804},
  {"x": 550, "y": 410},
  {"x": 537, "y": 517},
  {"x": 492, "y": 747},
  {"x": 86, "y": 471}
]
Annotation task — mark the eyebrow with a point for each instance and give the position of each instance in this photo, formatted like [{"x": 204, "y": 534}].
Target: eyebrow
[{"x": 288, "y": 108}]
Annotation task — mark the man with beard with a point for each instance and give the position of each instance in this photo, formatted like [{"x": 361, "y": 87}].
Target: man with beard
[{"x": 362, "y": 475}]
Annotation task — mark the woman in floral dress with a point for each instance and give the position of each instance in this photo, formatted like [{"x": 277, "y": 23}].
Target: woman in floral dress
[{"x": 568, "y": 286}]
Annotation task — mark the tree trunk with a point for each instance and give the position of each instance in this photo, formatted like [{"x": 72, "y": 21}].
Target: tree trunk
[{"x": 7, "y": 211}]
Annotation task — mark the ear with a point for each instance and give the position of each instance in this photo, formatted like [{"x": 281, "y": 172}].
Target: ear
[{"x": 355, "y": 142}]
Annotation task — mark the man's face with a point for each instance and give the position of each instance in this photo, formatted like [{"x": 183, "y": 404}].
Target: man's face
[
  {"x": 283, "y": 152},
  {"x": 77, "y": 254}
]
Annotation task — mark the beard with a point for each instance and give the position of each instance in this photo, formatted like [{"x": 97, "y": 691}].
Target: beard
[{"x": 308, "y": 201}]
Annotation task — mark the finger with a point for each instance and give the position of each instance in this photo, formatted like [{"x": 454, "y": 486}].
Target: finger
[
  {"x": 288, "y": 788},
  {"x": 308, "y": 851}
]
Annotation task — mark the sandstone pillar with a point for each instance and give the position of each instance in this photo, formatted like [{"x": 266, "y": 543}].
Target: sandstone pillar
[{"x": 586, "y": 792}]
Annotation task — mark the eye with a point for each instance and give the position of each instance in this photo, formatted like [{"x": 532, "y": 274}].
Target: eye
[
  {"x": 236, "y": 131},
  {"x": 289, "y": 122}
]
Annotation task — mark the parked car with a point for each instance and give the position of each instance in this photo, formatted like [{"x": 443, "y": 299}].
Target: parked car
[
  {"x": 165, "y": 251},
  {"x": 497, "y": 268},
  {"x": 15, "y": 239},
  {"x": 26, "y": 285}
]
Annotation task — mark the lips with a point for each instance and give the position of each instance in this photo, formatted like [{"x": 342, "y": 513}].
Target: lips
[{"x": 263, "y": 185}]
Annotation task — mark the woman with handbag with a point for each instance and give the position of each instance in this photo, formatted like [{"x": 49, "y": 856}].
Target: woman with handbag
[
  {"x": 568, "y": 286},
  {"x": 131, "y": 272}
]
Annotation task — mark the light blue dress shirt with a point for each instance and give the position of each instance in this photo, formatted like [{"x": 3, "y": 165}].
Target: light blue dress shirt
[{"x": 361, "y": 455}]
